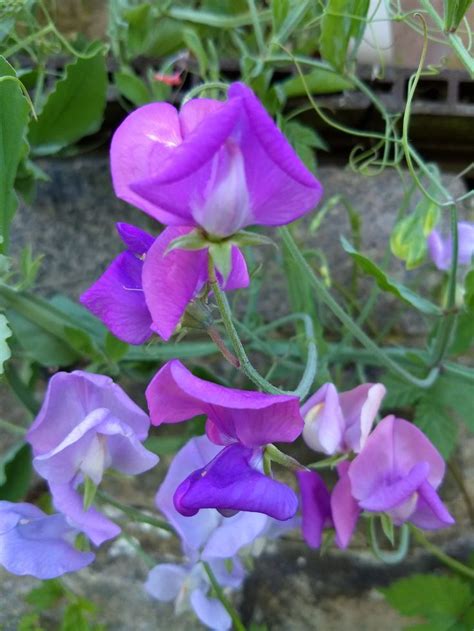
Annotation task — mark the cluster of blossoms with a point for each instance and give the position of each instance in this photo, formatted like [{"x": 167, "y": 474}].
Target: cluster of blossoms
[{"x": 207, "y": 173}]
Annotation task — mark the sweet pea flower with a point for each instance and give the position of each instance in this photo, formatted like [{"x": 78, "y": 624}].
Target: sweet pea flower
[
  {"x": 147, "y": 290},
  {"x": 218, "y": 166},
  {"x": 87, "y": 424},
  {"x": 35, "y": 544},
  {"x": 440, "y": 247},
  {"x": 397, "y": 473},
  {"x": 340, "y": 422},
  {"x": 315, "y": 507},
  {"x": 207, "y": 532},
  {"x": 189, "y": 586},
  {"x": 244, "y": 422}
]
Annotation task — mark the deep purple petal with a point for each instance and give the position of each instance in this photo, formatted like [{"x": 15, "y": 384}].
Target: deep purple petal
[
  {"x": 288, "y": 189},
  {"x": 253, "y": 418},
  {"x": 172, "y": 280},
  {"x": 230, "y": 482},
  {"x": 137, "y": 241},
  {"x": 92, "y": 523},
  {"x": 37, "y": 544},
  {"x": 390, "y": 494},
  {"x": 239, "y": 275},
  {"x": 196, "y": 530},
  {"x": 139, "y": 146},
  {"x": 315, "y": 506},
  {"x": 117, "y": 298},
  {"x": 430, "y": 513},
  {"x": 344, "y": 509}
]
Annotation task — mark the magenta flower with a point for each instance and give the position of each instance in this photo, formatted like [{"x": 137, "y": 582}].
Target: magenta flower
[
  {"x": 315, "y": 507},
  {"x": 35, "y": 544},
  {"x": 397, "y": 472},
  {"x": 340, "y": 422},
  {"x": 219, "y": 166},
  {"x": 440, "y": 247},
  {"x": 244, "y": 421},
  {"x": 146, "y": 290},
  {"x": 87, "y": 424},
  {"x": 251, "y": 418}
]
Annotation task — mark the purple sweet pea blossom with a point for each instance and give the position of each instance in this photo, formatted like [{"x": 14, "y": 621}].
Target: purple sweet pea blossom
[
  {"x": 87, "y": 424},
  {"x": 189, "y": 586},
  {"x": 340, "y": 422},
  {"x": 397, "y": 472},
  {"x": 219, "y": 166},
  {"x": 207, "y": 532},
  {"x": 35, "y": 544},
  {"x": 440, "y": 247},
  {"x": 315, "y": 507},
  {"x": 253, "y": 419},
  {"x": 147, "y": 290}
]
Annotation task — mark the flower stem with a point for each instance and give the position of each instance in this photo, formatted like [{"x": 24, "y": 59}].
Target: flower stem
[
  {"x": 245, "y": 364},
  {"x": 455, "y": 565},
  {"x": 134, "y": 513},
  {"x": 339, "y": 312},
  {"x": 12, "y": 428},
  {"x": 223, "y": 598}
]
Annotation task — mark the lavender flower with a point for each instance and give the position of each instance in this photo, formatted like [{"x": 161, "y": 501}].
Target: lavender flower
[
  {"x": 35, "y": 544},
  {"x": 440, "y": 247},
  {"x": 87, "y": 424},
  {"x": 340, "y": 422},
  {"x": 397, "y": 472}
]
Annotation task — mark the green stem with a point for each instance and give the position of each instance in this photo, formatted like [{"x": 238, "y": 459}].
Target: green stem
[
  {"x": 347, "y": 321},
  {"x": 134, "y": 513},
  {"x": 453, "y": 39},
  {"x": 455, "y": 565},
  {"x": 226, "y": 314},
  {"x": 12, "y": 428},
  {"x": 446, "y": 326},
  {"x": 397, "y": 555},
  {"x": 27, "y": 40},
  {"x": 257, "y": 27},
  {"x": 238, "y": 625}
]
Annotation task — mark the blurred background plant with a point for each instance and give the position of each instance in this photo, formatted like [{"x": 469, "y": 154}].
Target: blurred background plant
[{"x": 69, "y": 73}]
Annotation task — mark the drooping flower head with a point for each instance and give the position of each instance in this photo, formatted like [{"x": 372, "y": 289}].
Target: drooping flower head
[
  {"x": 397, "y": 472},
  {"x": 219, "y": 166},
  {"x": 147, "y": 289},
  {"x": 337, "y": 422},
  {"x": 35, "y": 544},
  {"x": 87, "y": 424},
  {"x": 440, "y": 247},
  {"x": 244, "y": 422}
]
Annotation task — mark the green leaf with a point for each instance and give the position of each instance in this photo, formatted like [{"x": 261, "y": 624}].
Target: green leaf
[
  {"x": 46, "y": 595},
  {"x": 387, "y": 283},
  {"x": 194, "y": 240},
  {"x": 221, "y": 254},
  {"x": 13, "y": 122},
  {"x": 454, "y": 11},
  {"x": 441, "y": 600},
  {"x": 247, "y": 238},
  {"x": 5, "y": 333},
  {"x": 30, "y": 622},
  {"x": 165, "y": 445},
  {"x": 318, "y": 81},
  {"x": 342, "y": 19},
  {"x": 194, "y": 44},
  {"x": 17, "y": 472},
  {"x": 436, "y": 424},
  {"x": 132, "y": 87},
  {"x": 75, "y": 107},
  {"x": 78, "y": 615},
  {"x": 115, "y": 349},
  {"x": 463, "y": 335},
  {"x": 408, "y": 238},
  {"x": 469, "y": 291},
  {"x": 280, "y": 9}
]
